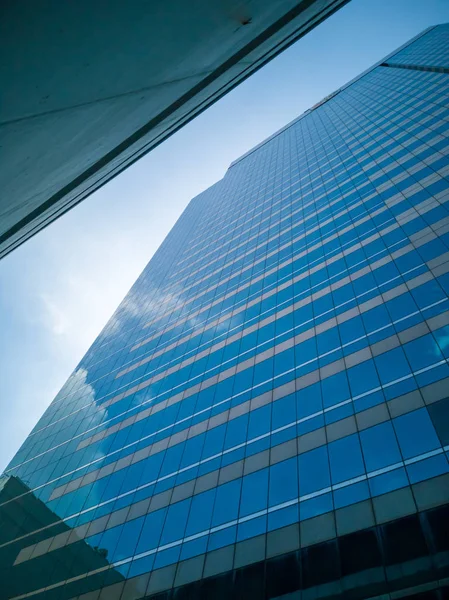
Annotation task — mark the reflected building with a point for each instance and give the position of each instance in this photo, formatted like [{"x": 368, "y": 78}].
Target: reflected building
[
  {"x": 266, "y": 413},
  {"x": 23, "y": 519}
]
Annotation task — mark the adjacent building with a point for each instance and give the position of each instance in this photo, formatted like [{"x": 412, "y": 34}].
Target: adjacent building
[
  {"x": 266, "y": 415},
  {"x": 90, "y": 87}
]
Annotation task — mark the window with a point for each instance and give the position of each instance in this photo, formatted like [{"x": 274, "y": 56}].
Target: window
[
  {"x": 284, "y": 411},
  {"x": 314, "y": 472},
  {"x": 254, "y": 492},
  {"x": 308, "y": 400},
  {"x": 236, "y": 431},
  {"x": 423, "y": 352},
  {"x": 439, "y": 413},
  {"x": 387, "y": 482},
  {"x": 363, "y": 377},
  {"x": 152, "y": 528},
  {"x": 380, "y": 447},
  {"x": 359, "y": 551},
  {"x": 283, "y": 481},
  {"x": 320, "y": 564},
  {"x": 426, "y": 469},
  {"x": 335, "y": 389},
  {"x": 416, "y": 433},
  {"x": 346, "y": 459},
  {"x": 403, "y": 540},
  {"x": 128, "y": 539},
  {"x": 227, "y": 502},
  {"x": 259, "y": 421},
  {"x": 200, "y": 512},
  {"x": 392, "y": 365},
  {"x": 175, "y": 522}
]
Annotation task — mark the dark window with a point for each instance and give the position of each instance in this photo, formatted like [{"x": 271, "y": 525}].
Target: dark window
[
  {"x": 444, "y": 593},
  {"x": 282, "y": 575},
  {"x": 219, "y": 588},
  {"x": 359, "y": 551},
  {"x": 430, "y": 595},
  {"x": 320, "y": 564},
  {"x": 187, "y": 592},
  {"x": 438, "y": 521},
  {"x": 249, "y": 583},
  {"x": 403, "y": 540},
  {"x": 163, "y": 596}
]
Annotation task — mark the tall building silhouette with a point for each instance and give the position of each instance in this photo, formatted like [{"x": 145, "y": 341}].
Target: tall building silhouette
[{"x": 266, "y": 415}]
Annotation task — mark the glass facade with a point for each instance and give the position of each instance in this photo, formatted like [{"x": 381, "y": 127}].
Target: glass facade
[{"x": 267, "y": 411}]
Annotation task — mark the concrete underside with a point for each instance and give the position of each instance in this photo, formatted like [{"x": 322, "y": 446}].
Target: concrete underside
[{"x": 89, "y": 87}]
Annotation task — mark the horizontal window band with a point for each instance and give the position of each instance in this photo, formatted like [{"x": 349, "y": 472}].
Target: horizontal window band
[
  {"x": 257, "y": 225},
  {"x": 274, "y": 316},
  {"x": 234, "y": 312},
  {"x": 342, "y": 253},
  {"x": 300, "y": 303},
  {"x": 383, "y": 206},
  {"x": 296, "y": 183},
  {"x": 292, "y": 342},
  {"x": 256, "y": 402},
  {"x": 335, "y": 254},
  {"x": 264, "y": 512},
  {"x": 147, "y": 412},
  {"x": 179, "y": 397},
  {"x": 406, "y": 409},
  {"x": 338, "y": 232},
  {"x": 426, "y": 68},
  {"x": 329, "y": 219},
  {"x": 162, "y": 445}
]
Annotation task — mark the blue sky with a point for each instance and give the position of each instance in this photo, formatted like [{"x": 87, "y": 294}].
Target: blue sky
[{"x": 59, "y": 289}]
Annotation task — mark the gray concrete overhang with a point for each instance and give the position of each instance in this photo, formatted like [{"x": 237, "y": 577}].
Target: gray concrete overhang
[{"x": 88, "y": 87}]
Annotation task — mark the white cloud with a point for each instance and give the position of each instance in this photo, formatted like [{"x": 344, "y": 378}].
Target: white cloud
[{"x": 83, "y": 295}]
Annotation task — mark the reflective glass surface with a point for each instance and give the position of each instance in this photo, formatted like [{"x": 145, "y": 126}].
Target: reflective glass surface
[{"x": 282, "y": 360}]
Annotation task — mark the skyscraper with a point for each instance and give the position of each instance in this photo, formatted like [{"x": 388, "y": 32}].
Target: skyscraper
[{"x": 266, "y": 414}]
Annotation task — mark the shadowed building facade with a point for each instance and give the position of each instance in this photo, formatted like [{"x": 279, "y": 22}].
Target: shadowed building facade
[{"x": 266, "y": 413}]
